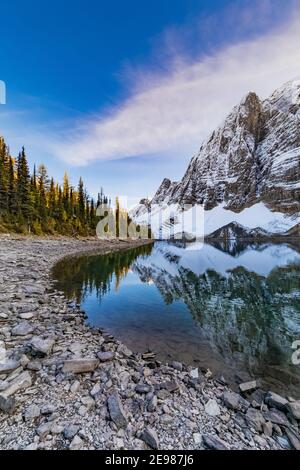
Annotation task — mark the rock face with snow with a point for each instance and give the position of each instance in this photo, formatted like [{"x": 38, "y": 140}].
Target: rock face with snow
[{"x": 254, "y": 157}]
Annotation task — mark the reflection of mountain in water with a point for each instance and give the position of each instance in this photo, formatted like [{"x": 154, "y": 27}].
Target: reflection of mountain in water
[
  {"x": 244, "y": 300},
  {"x": 247, "y": 305}
]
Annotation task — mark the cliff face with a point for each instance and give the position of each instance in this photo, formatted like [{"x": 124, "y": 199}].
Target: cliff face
[{"x": 253, "y": 157}]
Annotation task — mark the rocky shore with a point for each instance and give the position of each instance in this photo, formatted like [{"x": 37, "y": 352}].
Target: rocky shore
[{"x": 64, "y": 385}]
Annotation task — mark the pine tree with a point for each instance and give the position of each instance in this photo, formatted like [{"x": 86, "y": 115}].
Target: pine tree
[
  {"x": 25, "y": 208},
  {"x": 33, "y": 202},
  {"x": 81, "y": 201}
]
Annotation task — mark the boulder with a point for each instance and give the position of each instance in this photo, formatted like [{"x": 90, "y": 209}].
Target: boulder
[
  {"x": 294, "y": 409},
  {"x": 116, "y": 411},
  {"x": 7, "y": 404},
  {"x": 255, "y": 419},
  {"x": 22, "y": 329},
  {"x": 8, "y": 366},
  {"x": 142, "y": 389},
  {"x": 276, "y": 401},
  {"x": 106, "y": 356},
  {"x": 71, "y": 431},
  {"x": 76, "y": 444},
  {"x": 40, "y": 347},
  {"x": 149, "y": 436},
  {"x": 80, "y": 366},
  {"x": 32, "y": 412},
  {"x": 234, "y": 401},
  {"x": 276, "y": 417},
  {"x": 214, "y": 443},
  {"x": 21, "y": 382},
  {"x": 293, "y": 438},
  {"x": 249, "y": 386},
  {"x": 212, "y": 408}
]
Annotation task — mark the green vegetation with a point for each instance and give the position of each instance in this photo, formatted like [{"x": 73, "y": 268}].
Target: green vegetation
[{"x": 35, "y": 203}]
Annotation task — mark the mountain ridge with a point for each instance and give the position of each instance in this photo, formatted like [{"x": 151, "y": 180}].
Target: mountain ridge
[{"x": 252, "y": 157}]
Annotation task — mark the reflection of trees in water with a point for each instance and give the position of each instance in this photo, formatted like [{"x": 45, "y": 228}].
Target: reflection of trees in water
[
  {"x": 79, "y": 277},
  {"x": 246, "y": 317}
]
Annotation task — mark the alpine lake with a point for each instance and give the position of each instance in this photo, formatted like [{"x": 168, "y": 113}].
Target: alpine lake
[{"x": 229, "y": 306}]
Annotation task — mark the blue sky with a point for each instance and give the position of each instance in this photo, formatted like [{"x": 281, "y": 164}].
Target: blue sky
[{"x": 123, "y": 92}]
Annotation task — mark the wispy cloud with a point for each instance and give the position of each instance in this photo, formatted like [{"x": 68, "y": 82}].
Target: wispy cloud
[
  {"x": 180, "y": 97},
  {"x": 172, "y": 111}
]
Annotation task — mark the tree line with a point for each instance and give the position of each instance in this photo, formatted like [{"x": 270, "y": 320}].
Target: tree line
[{"x": 35, "y": 203}]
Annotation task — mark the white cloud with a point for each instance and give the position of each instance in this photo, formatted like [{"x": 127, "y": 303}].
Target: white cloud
[{"x": 172, "y": 112}]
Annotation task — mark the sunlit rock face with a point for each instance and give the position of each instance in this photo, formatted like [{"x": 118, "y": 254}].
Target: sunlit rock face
[{"x": 253, "y": 157}]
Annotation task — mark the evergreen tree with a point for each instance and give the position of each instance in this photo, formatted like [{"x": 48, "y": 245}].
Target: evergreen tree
[{"x": 39, "y": 204}]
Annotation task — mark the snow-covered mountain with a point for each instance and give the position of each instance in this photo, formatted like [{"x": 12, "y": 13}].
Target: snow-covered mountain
[{"x": 247, "y": 171}]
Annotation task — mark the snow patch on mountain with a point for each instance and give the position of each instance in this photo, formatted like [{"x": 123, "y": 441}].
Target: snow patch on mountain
[
  {"x": 167, "y": 221},
  {"x": 200, "y": 258}
]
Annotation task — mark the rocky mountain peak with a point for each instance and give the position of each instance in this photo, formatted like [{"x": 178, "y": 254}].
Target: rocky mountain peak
[{"x": 239, "y": 164}]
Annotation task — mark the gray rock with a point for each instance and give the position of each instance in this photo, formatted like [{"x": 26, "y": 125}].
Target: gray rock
[
  {"x": 249, "y": 386},
  {"x": 56, "y": 429},
  {"x": 76, "y": 444},
  {"x": 44, "y": 429},
  {"x": 149, "y": 436},
  {"x": 32, "y": 412},
  {"x": 40, "y": 347},
  {"x": 194, "y": 374},
  {"x": 212, "y": 408},
  {"x": 234, "y": 401},
  {"x": 268, "y": 429},
  {"x": 95, "y": 390},
  {"x": 171, "y": 386},
  {"x": 34, "y": 365},
  {"x": 22, "y": 329},
  {"x": 21, "y": 382},
  {"x": 177, "y": 366},
  {"x": 8, "y": 366},
  {"x": 294, "y": 409},
  {"x": 80, "y": 366},
  {"x": 106, "y": 356},
  {"x": 3, "y": 385},
  {"x": 27, "y": 315},
  {"x": 293, "y": 438},
  {"x": 7, "y": 404},
  {"x": 276, "y": 401},
  {"x": 142, "y": 388},
  {"x": 47, "y": 410},
  {"x": 255, "y": 419},
  {"x": 34, "y": 290},
  {"x": 71, "y": 431},
  {"x": 214, "y": 443},
  {"x": 152, "y": 404},
  {"x": 32, "y": 446},
  {"x": 276, "y": 417},
  {"x": 197, "y": 438},
  {"x": 116, "y": 411}
]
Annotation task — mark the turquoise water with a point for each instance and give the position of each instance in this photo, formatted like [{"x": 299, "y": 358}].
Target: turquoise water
[{"x": 230, "y": 307}]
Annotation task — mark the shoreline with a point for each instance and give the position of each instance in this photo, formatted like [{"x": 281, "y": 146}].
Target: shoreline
[{"x": 68, "y": 386}]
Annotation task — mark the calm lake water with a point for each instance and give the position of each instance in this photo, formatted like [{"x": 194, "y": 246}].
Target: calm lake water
[{"x": 230, "y": 307}]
